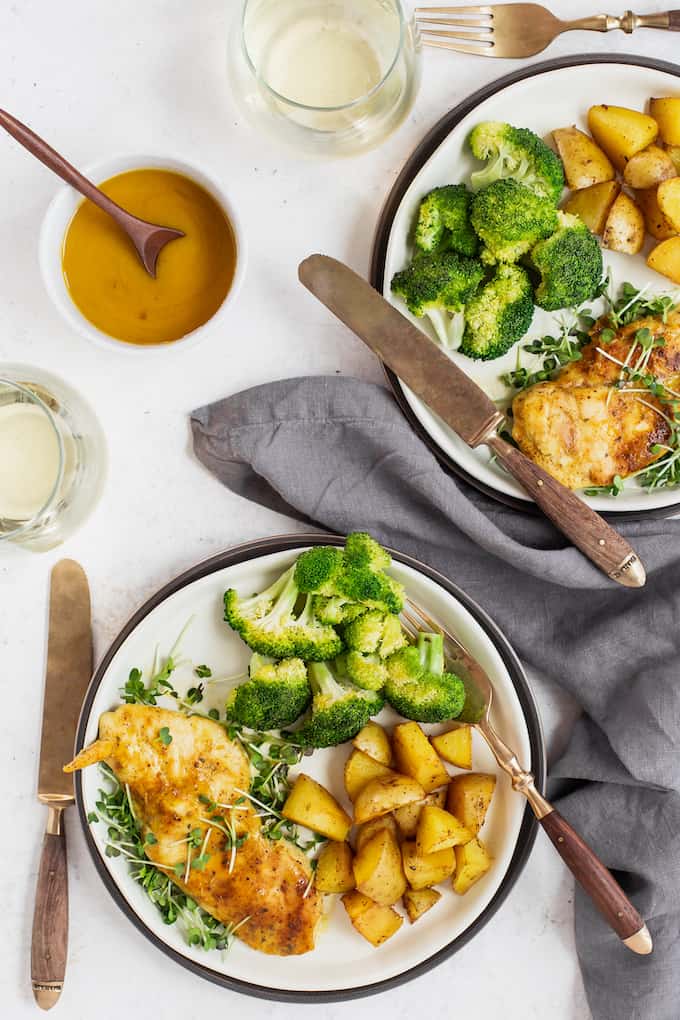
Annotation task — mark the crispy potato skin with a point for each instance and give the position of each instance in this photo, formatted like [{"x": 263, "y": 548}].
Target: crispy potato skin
[
  {"x": 621, "y": 132},
  {"x": 668, "y": 197},
  {"x": 425, "y": 870},
  {"x": 472, "y": 862},
  {"x": 374, "y": 922},
  {"x": 415, "y": 756},
  {"x": 407, "y": 817},
  {"x": 439, "y": 830},
  {"x": 455, "y": 746},
  {"x": 665, "y": 258},
  {"x": 666, "y": 113},
  {"x": 368, "y": 829},
  {"x": 310, "y": 804},
  {"x": 378, "y": 871},
  {"x": 360, "y": 769},
  {"x": 593, "y": 204},
  {"x": 469, "y": 798},
  {"x": 584, "y": 161},
  {"x": 374, "y": 741},
  {"x": 656, "y": 223},
  {"x": 419, "y": 901},
  {"x": 334, "y": 872},
  {"x": 385, "y": 794},
  {"x": 624, "y": 229},
  {"x": 648, "y": 168}
]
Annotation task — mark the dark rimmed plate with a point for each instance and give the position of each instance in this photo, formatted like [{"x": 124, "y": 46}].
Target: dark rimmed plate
[
  {"x": 542, "y": 96},
  {"x": 343, "y": 966}
]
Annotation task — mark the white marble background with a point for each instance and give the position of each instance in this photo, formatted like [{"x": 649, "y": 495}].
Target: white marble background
[{"x": 100, "y": 78}]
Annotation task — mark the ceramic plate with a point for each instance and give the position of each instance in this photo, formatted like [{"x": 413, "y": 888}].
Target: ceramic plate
[
  {"x": 542, "y": 98},
  {"x": 343, "y": 965}
]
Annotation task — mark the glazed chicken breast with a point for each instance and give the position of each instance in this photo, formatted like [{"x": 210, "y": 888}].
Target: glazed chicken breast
[
  {"x": 192, "y": 782},
  {"x": 581, "y": 427}
]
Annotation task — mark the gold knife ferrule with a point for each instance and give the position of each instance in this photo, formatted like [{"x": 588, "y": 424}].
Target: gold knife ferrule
[
  {"x": 54, "y": 813},
  {"x": 487, "y": 431}
]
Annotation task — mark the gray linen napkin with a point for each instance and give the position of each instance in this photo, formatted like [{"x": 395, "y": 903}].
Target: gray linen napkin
[{"x": 337, "y": 452}]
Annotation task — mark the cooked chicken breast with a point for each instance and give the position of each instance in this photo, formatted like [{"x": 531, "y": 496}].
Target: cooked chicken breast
[
  {"x": 584, "y": 430},
  {"x": 264, "y": 880}
]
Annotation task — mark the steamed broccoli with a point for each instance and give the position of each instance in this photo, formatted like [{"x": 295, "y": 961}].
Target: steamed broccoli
[
  {"x": 339, "y": 708},
  {"x": 317, "y": 568},
  {"x": 366, "y": 670},
  {"x": 355, "y": 582},
  {"x": 511, "y": 219},
  {"x": 436, "y": 285},
  {"x": 336, "y": 609},
  {"x": 419, "y": 687},
  {"x": 374, "y": 632},
  {"x": 519, "y": 154},
  {"x": 268, "y": 623},
  {"x": 499, "y": 315},
  {"x": 444, "y": 221},
  {"x": 275, "y": 694},
  {"x": 570, "y": 264},
  {"x": 362, "y": 550}
]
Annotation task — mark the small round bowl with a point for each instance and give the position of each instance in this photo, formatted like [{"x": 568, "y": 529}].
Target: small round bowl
[{"x": 55, "y": 225}]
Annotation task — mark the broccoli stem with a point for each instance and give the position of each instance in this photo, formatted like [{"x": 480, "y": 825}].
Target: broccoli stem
[
  {"x": 272, "y": 592},
  {"x": 449, "y": 329},
  {"x": 431, "y": 649}
]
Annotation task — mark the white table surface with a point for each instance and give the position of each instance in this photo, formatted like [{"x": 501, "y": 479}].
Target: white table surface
[{"x": 100, "y": 78}]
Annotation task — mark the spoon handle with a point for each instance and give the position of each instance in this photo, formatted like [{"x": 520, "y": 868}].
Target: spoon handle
[{"x": 61, "y": 167}]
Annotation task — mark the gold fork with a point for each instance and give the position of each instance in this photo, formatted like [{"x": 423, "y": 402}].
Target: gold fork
[
  {"x": 585, "y": 865},
  {"x": 520, "y": 30}
]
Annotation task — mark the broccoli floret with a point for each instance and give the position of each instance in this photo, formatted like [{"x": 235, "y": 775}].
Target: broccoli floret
[
  {"x": 366, "y": 670},
  {"x": 268, "y": 623},
  {"x": 275, "y": 695},
  {"x": 436, "y": 285},
  {"x": 361, "y": 550},
  {"x": 375, "y": 632},
  {"x": 511, "y": 219},
  {"x": 317, "y": 568},
  {"x": 499, "y": 315},
  {"x": 373, "y": 589},
  {"x": 519, "y": 154},
  {"x": 444, "y": 221},
  {"x": 570, "y": 264},
  {"x": 419, "y": 687},
  {"x": 339, "y": 708},
  {"x": 336, "y": 609}
]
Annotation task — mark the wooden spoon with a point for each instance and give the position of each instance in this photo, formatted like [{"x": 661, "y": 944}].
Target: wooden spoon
[{"x": 148, "y": 238}]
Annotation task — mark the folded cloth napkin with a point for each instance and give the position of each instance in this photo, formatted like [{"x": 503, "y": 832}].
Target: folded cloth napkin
[{"x": 338, "y": 453}]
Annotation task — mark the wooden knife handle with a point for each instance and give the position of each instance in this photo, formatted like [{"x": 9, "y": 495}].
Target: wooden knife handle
[
  {"x": 586, "y": 529},
  {"x": 599, "y": 883},
  {"x": 50, "y": 918},
  {"x": 674, "y": 21}
]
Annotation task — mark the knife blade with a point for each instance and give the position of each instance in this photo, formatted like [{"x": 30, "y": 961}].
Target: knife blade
[
  {"x": 464, "y": 406},
  {"x": 68, "y": 672}
]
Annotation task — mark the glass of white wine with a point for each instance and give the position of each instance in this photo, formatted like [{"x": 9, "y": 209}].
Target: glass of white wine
[
  {"x": 52, "y": 458},
  {"x": 328, "y": 77}
]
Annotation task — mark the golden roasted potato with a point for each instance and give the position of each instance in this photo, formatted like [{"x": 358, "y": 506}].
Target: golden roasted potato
[
  {"x": 407, "y": 817},
  {"x": 674, "y": 153},
  {"x": 592, "y": 204},
  {"x": 310, "y": 804},
  {"x": 469, "y": 797},
  {"x": 334, "y": 872},
  {"x": 374, "y": 742},
  {"x": 418, "y": 901},
  {"x": 625, "y": 227},
  {"x": 415, "y": 756},
  {"x": 369, "y": 829},
  {"x": 665, "y": 258},
  {"x": 439, "y": 830},
  {"x": 384, "y": 794},
  {"x": 360, "y": 768},
  {"x": 424, "y": 870},
  {"x": 472, "y": 861},
  {"x": 377, "y": 924},
  {"x": 668, "y": 197},
  {"x": 455, "y": 746},
  {"x": 655, "y": 221},
  {"x": 584, "y": 162},
  {"x": 621, "y": 132},
  {"x": 378, "y": 871},
  {"x": 666, "y": 113},
  {"x": 648, "y": 168}
]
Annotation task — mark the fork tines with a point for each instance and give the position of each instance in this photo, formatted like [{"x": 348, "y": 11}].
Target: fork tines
[{"x": 462, "y": 19}]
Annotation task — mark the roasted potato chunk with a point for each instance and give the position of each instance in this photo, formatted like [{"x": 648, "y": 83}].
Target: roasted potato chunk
[
  {"x": 378, "y": 871},
  {"x": 472, "y": 861},
  {"x": 377, "y": 924},
  {"x": 674, "y": 153},
  {"x": 668, "y": 197},
  {"x": 425, "y": 870},
  {"x": 415, "y": 756},
  {"x": 369, "y": 829},
  {"x": 647, "y": 168},
  {"x": 374, "y": 742},
  {"x": 584, "y": 162},
  {"x": 624, "y": 230},
  {"x": 621, "y": 132},
  {"x": 592, "y": 204},
  {"x": 310, "y": 804},
  {"x": 334, "y": 872},
  {"x": 666, "y": 113},
  {"x": 385, "y": 794},
  {"x": 656, "y": 223},
  {"x": 455, "y": 746},
  {"x": 360, "y": 769},
  {"x": 665, "y": 258},
  {"x": 469, "y": 797},
  {"x": 439, "y": 830},
  {"x": 407, "y": 817},
  {"x": 418, "y": 901}
]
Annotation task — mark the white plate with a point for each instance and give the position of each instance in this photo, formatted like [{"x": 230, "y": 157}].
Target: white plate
[
  {"x": 343, "y": 963},
  {"x": 546, "y": 100}
]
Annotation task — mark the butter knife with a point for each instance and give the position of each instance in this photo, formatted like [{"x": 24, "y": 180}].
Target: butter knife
[
  {"x": 69, "y": 668},
  {"x": 451, "y": 394}
]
